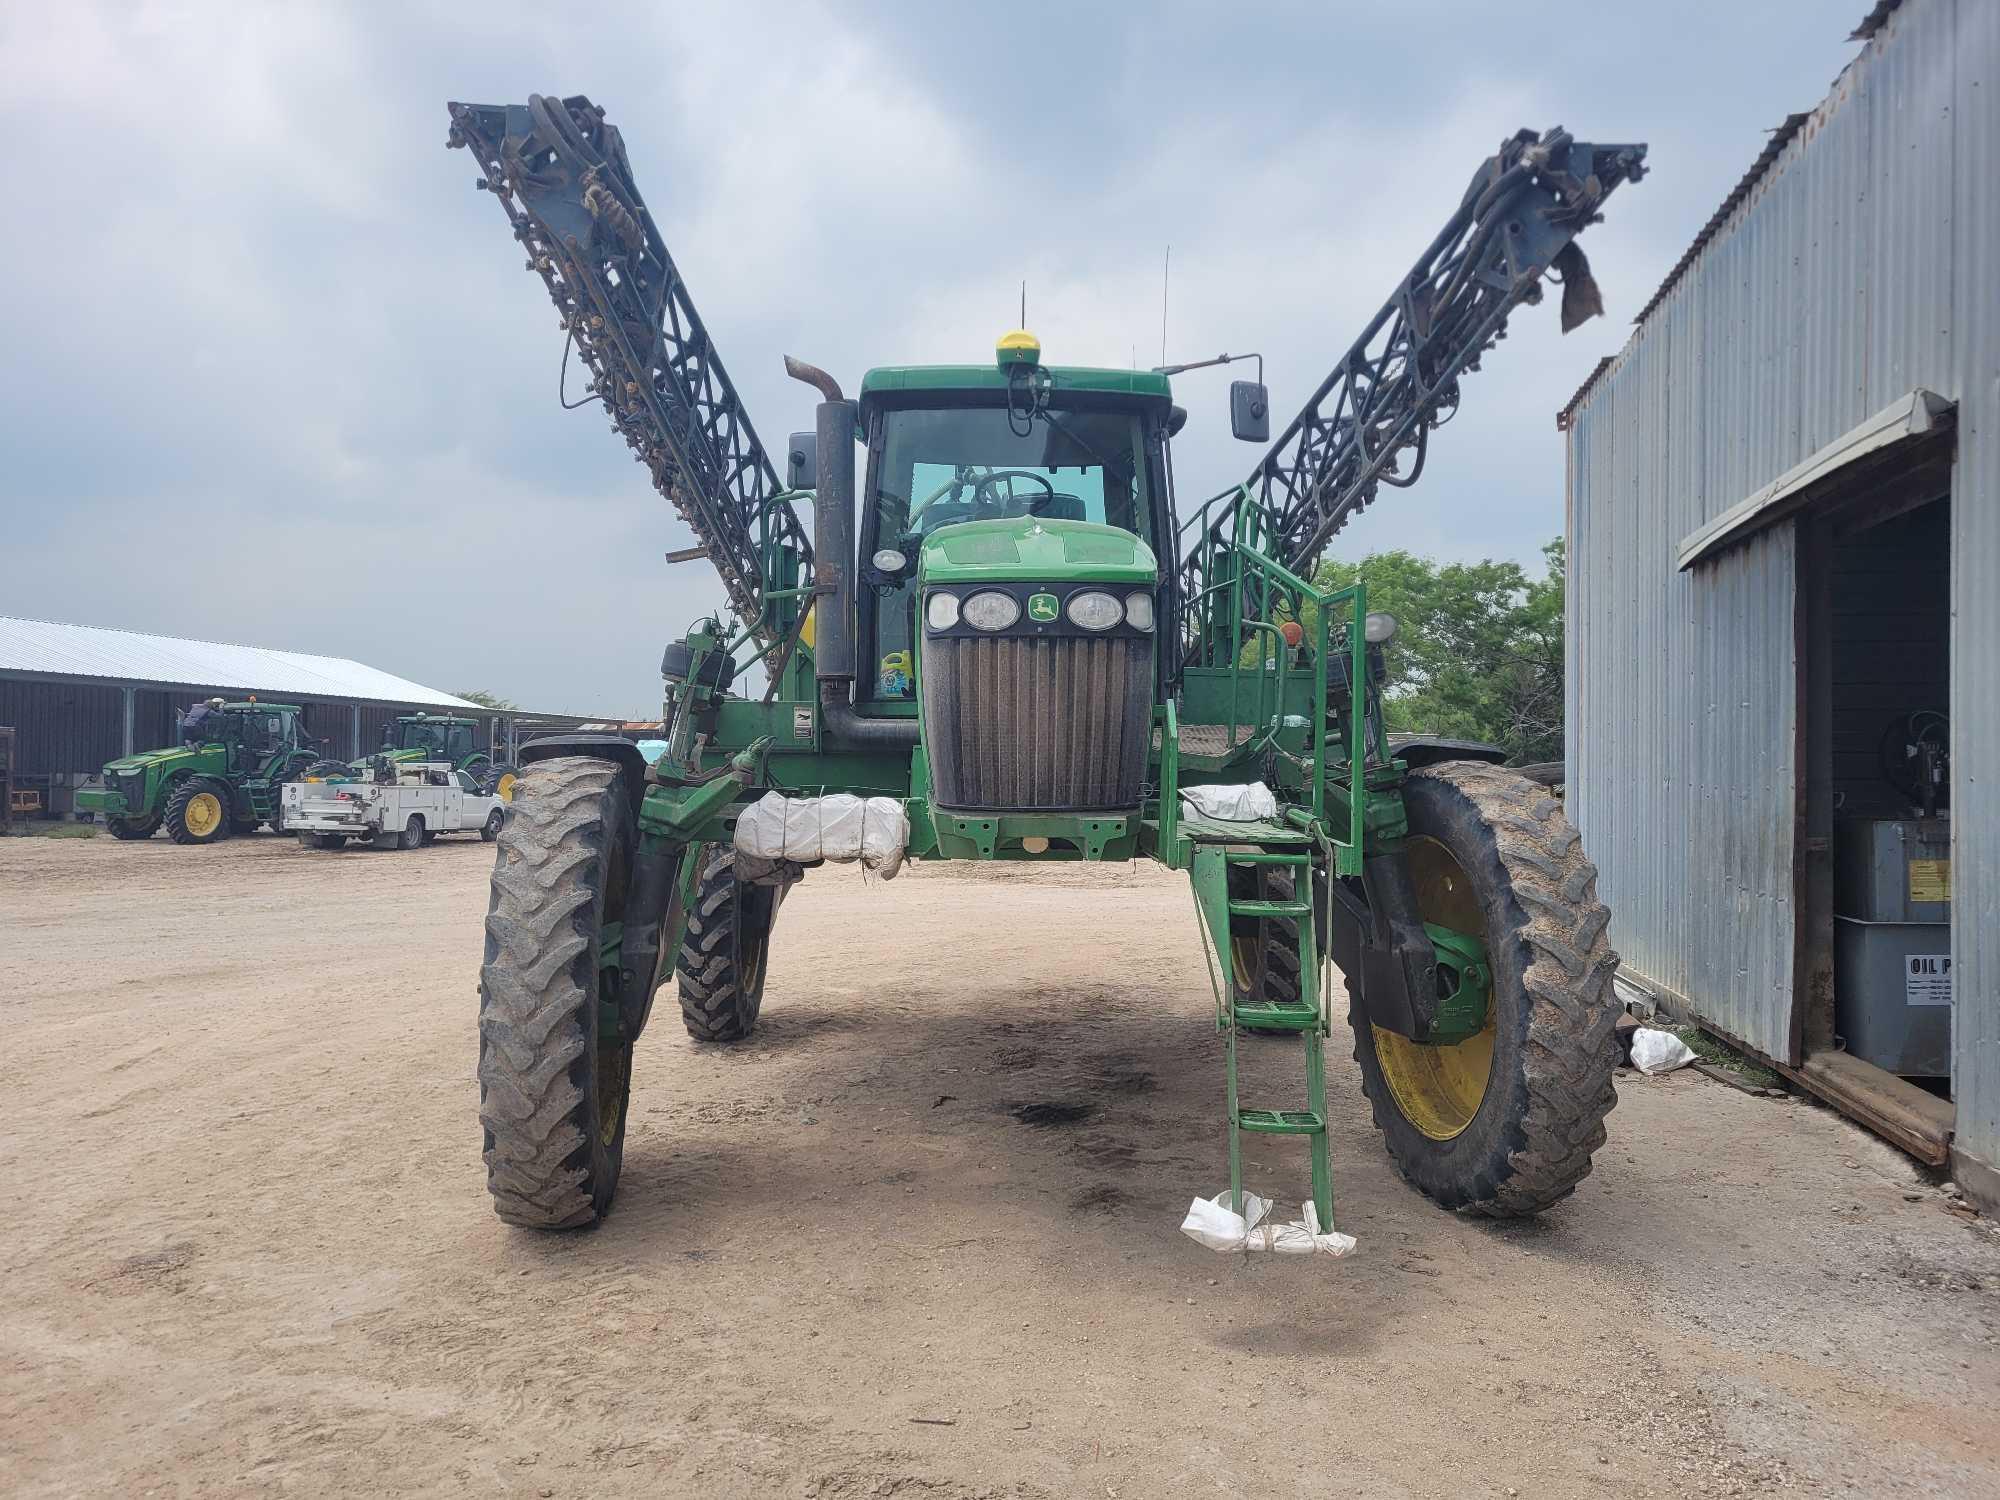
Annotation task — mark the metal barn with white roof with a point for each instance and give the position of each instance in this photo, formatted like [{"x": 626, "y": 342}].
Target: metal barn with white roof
[{"x": 80, "y": 695}]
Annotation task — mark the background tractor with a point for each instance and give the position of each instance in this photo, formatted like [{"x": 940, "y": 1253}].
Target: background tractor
[
  {"x": 429, "y": 737},
  {"x": 1021, "y": 638},
  {"x": 225, "y": 777}
]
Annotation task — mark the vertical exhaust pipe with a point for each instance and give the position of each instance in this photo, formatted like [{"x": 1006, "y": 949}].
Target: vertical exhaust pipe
[{"x": 833, "y": 572}]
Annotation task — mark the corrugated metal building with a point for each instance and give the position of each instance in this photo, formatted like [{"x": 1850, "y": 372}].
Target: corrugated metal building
[
  {"x": 1784, "y": 531},
  {"x": 78, "y": 696}
]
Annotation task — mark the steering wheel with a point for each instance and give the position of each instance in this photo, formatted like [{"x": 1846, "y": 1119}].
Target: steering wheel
[{"x": 982, "y": 493}]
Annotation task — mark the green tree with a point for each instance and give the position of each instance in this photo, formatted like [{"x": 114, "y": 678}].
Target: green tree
[
  {"x": 487, "y": 700},
  {"x": 1479, "y": 651}
]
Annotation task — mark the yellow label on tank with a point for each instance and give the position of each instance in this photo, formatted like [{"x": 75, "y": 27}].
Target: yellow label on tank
[{"x": 1930, "y": 880}]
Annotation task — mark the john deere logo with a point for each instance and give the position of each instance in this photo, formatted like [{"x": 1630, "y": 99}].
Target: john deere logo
[{"x": 1041, "y": 608}]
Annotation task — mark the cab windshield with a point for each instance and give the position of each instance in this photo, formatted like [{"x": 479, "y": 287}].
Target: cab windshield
[
  {"x": 936, "y": 468},
  {"x": 429, "y": 738},
  {"x": 941, "y": 467}
]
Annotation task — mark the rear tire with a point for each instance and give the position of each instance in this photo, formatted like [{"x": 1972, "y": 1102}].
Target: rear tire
[
  {"x": 413, "y": 834},
  {"x": 133, "y": 828},
  {"x": 197, "y": 812},
  {"x": 497, "y": 780},
  {"x": 1264, "y": 953},
  {"x": 553, "y": 1090},
  {"x": 1497, "y": 848},
  {"x": 725, "y": 951}
]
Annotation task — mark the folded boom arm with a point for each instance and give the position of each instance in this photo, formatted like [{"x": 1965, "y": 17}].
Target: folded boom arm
[{"x": 560, "y": 173}]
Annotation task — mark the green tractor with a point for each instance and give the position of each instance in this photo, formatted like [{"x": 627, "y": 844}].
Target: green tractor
[
  {"x": 225, "y": 776},
  {"x": 1020, "y": 641},
  {"x": 430, "y": 737}
]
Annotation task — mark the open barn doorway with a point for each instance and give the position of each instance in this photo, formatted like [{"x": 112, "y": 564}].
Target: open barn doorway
[{"x": 1873, "y": 1010}]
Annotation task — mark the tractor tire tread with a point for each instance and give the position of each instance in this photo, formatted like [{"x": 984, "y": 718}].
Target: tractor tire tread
[
  {"x": 715, "y": 1005},
  {"x": 174, "y": 817},
  {"x": 537, "y": 998},
  {"x": 1561, "y": 948}
]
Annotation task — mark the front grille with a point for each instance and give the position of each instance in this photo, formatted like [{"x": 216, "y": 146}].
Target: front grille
[{"x": 1037, "y": 723}]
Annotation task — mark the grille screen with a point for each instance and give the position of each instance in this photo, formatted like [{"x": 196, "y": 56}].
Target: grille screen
[{"x": 1048, "y": 724}]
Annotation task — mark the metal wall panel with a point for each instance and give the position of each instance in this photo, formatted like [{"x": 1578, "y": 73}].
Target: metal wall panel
[
  {"x": 1975, "y": 326},
  {"x": 1860, "y": 263}
]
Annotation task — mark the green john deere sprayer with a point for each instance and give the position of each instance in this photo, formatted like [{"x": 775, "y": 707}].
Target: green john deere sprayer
[
  {"x": 1022, "y": 637},
  {"x": 227, "y": 779},
  {"x": 429, "y": 737}
]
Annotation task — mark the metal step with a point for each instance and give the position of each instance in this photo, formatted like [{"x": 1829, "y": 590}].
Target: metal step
[
  {"x": 1270, "y": 908},
  {"x": 1281, "y": 1121},
  {"x": 1276, "y": 1017}
]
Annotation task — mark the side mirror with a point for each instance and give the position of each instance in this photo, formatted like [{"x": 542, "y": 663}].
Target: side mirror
[
  {"x": 1176, "y": 420},
  {"x": 1249, "y": 411},
  {"x": 802, "y": 461}
]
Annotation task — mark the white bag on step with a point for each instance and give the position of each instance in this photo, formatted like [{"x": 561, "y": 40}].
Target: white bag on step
[{"x": 1231, "y": 804}]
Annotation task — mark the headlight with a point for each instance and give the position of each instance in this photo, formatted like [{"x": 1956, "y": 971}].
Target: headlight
[
  {"x": 1379, "y": 629},
  {"x": 941, "y": 610},
  {"x": 1139, "y": 611},
  {"x": 991, "y": 610},
  {"x": 1092, "y": 610}
]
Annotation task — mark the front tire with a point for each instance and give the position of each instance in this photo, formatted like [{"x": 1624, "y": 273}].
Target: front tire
[
  {"x": 132, "y": 828},
  {"x": 197, "y": 812},
  {"x": 724, "y": 953},
  {"x": 553, "y": 1088},
  {"x": 1503, "y": 1123}
]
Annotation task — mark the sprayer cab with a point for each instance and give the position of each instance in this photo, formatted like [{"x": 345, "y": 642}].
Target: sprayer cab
[{"x": 1009, "y": 521}]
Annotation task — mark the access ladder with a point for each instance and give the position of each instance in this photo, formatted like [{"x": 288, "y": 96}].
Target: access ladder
[{"x": 1218, "y": 850}]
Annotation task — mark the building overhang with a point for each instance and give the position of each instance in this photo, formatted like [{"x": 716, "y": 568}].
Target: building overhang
[{"x": 1919, "y": 415}]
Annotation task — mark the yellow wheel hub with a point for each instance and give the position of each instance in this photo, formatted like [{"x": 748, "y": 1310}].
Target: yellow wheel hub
[
  {"x": 504, "y": 787},
  {"x": 614, "y": 1081},
  {"x": 203, "y": 814},
  {"x": 1439, "y": 1089}
]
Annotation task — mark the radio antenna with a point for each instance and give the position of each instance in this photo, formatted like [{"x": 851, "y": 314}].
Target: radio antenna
[{"x": 1166, "y": 270}]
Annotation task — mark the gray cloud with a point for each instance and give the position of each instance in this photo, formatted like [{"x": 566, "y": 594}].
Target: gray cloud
[{"x": 251, "y": 296}]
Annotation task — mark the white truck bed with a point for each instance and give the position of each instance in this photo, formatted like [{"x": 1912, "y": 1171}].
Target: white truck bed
[{"x": 425, "y": 799}]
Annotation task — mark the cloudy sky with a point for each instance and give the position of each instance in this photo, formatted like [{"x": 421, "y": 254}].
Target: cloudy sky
[{"x": 273, "y": 373}]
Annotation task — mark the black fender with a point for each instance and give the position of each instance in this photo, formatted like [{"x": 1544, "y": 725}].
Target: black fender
[
  {"x": 611, "y": 747},
  {"x": 1419, "y": 750}
]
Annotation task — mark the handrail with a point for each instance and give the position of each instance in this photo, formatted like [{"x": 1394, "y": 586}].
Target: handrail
[{"x": 1234, "y": 591}]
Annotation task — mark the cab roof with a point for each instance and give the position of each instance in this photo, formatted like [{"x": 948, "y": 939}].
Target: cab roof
[{"x": 889, "y": 380}]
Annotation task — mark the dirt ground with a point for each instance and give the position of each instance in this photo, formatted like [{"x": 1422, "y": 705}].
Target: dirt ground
[{"x": 248, "y": 1247}]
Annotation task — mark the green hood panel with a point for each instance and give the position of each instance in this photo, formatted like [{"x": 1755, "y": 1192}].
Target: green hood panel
[
  {"x": 1026, "y": 547},
  {"x": 133, "y": 765}
]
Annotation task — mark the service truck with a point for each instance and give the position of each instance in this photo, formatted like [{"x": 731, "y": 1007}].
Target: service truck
[{"x": 402, "y": 805}]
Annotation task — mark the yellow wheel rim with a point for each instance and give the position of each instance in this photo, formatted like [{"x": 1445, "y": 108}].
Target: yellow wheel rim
[
  {"x": 203, "y": 815},
  {"x": 504, "y": 787},
  {"x": 614, "y": 1081},
  {"x": 1439, "y": 1089}
]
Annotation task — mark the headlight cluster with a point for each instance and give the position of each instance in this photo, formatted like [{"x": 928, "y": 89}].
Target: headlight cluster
[{"x": 992, "y": 609}]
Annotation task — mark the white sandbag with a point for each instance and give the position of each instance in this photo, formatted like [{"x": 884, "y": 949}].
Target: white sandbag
[
  {"x": 1231, "y": 804},
  {"x": 1212, "y": 1222},
  {"x": 1657, "y": 1051},
  {"x": 841, "y": 828}
]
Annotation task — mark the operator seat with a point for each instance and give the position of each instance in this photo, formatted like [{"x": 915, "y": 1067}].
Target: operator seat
[{"x": 1062, "y": 507}]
